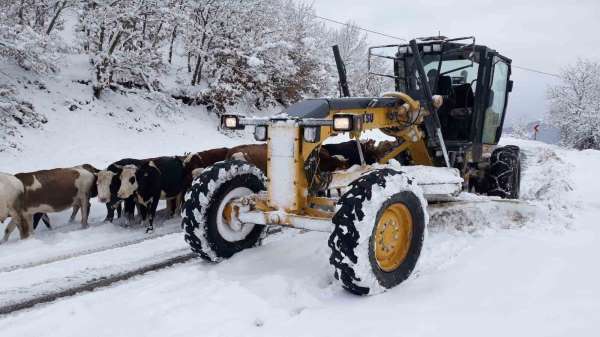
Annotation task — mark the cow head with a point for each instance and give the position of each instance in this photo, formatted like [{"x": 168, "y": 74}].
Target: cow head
[
  {"x": 103, "y": 182},
  {"x": 129, "y": 183},
  {"x": 383, "y": 148},
  {"x": 192, "y": 162}
]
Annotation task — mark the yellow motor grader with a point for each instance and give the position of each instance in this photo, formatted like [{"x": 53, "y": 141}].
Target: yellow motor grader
[{"x": 445, "y": 118}]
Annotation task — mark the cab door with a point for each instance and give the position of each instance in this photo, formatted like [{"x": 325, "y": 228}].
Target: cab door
[{"x": 497, "y": 98}]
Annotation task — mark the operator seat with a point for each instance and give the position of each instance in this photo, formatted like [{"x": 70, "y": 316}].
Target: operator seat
[
  {"x": 462, "y": 112},
  {"x": 444, "y": 88}
]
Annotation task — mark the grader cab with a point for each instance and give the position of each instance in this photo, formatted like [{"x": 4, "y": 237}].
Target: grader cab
[{"x": 374, "y": 210}]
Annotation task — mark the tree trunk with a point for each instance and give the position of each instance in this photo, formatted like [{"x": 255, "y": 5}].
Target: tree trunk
[
  {"x": 189, "y": 60},
  {"x": 101, "y": 46},
  {"x": 144, "y": 26},
  {"x": 173, "y": 36},
  {"x": 114, "y": 43},
  {"x": 195, "y": 79},
  {"x": 21, "y": 12},
  {"x": 157, "y": 35},
  {"x": 56, "y": 15}
]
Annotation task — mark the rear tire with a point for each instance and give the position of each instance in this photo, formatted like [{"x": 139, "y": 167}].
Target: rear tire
[
  {"x": 504, "y": 173},
  {"x": 204, "y": 227},
  {"x": 368, "y": 256}
]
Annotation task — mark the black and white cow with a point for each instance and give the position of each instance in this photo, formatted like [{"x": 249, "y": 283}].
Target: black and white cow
[
  {"x": 160, "y": 178},
  {"x": 108, "y": 183}
]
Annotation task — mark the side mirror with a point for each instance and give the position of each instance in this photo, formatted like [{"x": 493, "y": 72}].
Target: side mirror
[{"x": 509, "y": 86}]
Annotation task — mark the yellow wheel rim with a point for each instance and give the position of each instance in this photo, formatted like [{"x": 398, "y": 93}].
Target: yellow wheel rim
[{"x": 392, "y": 237}]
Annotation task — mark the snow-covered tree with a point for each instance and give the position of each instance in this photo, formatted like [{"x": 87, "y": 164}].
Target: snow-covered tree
[
  {"x": 354, "y": 50},
  {"x": 123, "y": 39},
  {"x": 261, "y": 52},
  {"x": 575, "y": 105},
  {"x": 26, "y": 32}
]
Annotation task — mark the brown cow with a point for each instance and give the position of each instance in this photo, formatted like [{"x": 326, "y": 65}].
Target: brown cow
[
  {"x": 200, "y": 160},
  {"x": 256, "y": 154},
  {"x": 50, "y": 191}
]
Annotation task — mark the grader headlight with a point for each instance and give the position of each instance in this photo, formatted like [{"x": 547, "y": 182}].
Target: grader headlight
[
  {"x": 231, "y": 122},
  {"x": 311, "y": 134},
  {"x": 261, "y": 133},
  {"x": 343, "y": 123}
]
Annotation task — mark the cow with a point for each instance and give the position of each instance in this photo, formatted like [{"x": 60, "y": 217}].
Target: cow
[
  {"x": 108, "y": 184},
  {"x": 194, "y": 161},
  {"x": 160, "y": 178},
  {"x": 349, "y": 150},
  {"x": 37, "y": 217},
  {"x": 54, "y": 190},
  {"x": 256, "y": 154}
]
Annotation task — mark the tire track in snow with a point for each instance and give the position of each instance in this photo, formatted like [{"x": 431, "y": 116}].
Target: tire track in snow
[
  {"x": 84, "y": 252},
  {"x": 94, "y": 284}
]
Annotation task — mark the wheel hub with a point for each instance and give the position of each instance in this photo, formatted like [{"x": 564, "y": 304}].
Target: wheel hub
[
  {"x": 393, "y": 234},
  {"x": 228, "y": 223}
]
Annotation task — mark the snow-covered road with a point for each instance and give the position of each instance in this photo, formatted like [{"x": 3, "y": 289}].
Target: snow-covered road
[{"x": 524, "y": 273}]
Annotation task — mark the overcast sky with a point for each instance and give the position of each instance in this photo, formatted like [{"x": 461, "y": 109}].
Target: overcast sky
[{"x": 540, "y": 34}]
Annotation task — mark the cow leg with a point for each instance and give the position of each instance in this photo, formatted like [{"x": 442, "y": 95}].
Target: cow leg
[
  {"x": 74, "y": 213},
  {"x": 46, "y": 220},
  {"x": 151, "y": 214},
  {"x": 143, "y": 210},
  {"x": 172, "y": 206},
  {"x": 9, "y": 228},
  {"x": 36, "y": 220},
  {"x": 178, "y": 203},
  {"x": 110, "y": 209},
  {"x": 130, "y": 210},
  {"x": 119, "y": 210},
  {"x": 85, "y": 212},
  {"x": 23, "y": 222},
  {"x": 110, "y": 213},
  {"x": 26, "y": 226}
]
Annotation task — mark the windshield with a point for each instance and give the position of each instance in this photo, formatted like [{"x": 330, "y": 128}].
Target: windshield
[{"x": 455, "y": 70}]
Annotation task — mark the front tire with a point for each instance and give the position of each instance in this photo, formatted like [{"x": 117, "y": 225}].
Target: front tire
[
  {"x": 378, "y": 232},
  {"x": 504, "y": 173},
  {"x": 206, "y": 230}
]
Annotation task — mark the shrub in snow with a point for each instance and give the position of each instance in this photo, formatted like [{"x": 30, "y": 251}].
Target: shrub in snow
[
  {"x": 31, "y": 50},
  {"x": 165, "y": 105},
  {"x": 15, "y": 114}
]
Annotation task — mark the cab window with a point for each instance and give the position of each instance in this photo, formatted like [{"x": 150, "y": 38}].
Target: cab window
[{"x": 497, "y": 102}]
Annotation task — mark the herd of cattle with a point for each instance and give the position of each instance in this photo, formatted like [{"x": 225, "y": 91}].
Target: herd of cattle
[{"x": 128, "y": 184}]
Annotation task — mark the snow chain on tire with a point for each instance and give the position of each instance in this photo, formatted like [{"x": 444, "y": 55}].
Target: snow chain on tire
[
  {"x": 202, "y": 201},
  {"x": 504, "y": 173},
  {"x": 351, "y": 242}
]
